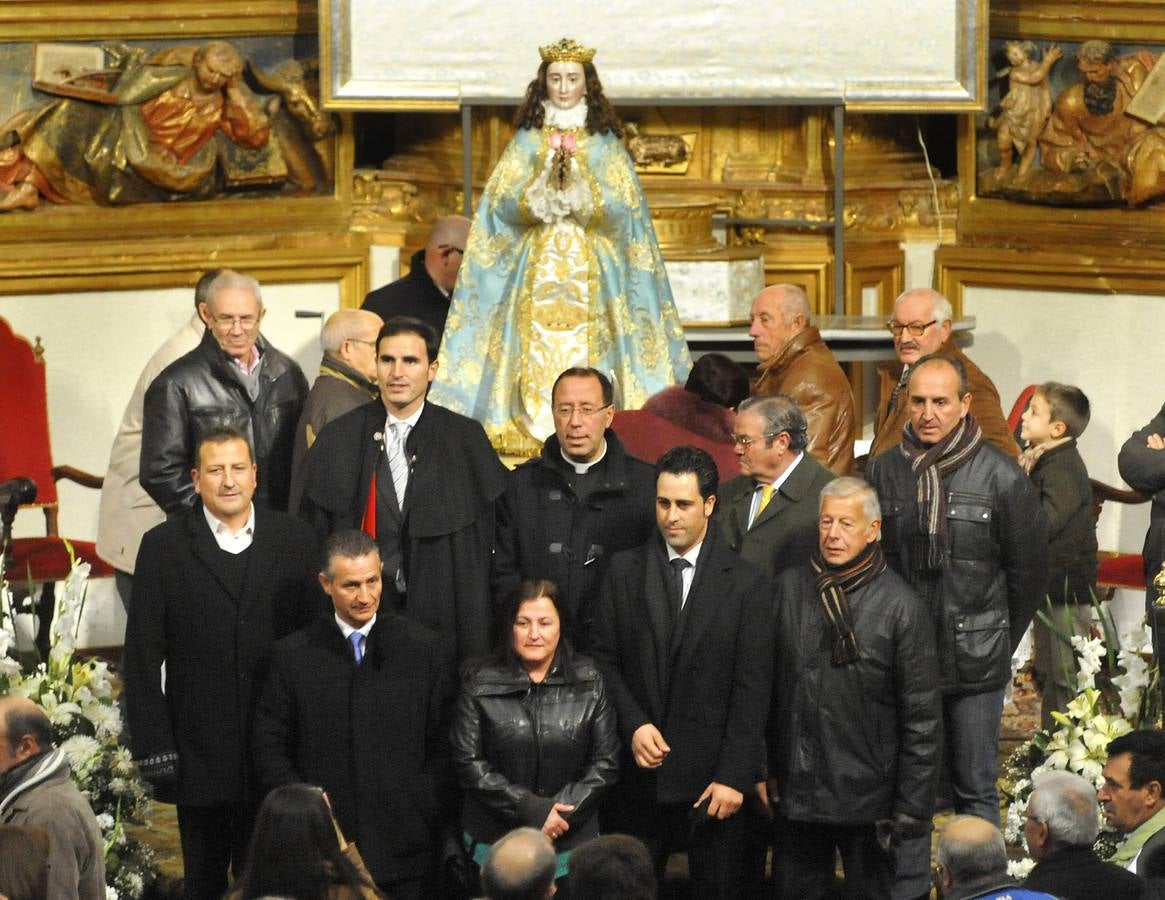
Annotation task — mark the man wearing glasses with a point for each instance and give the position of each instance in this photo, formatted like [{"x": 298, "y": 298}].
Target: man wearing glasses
[
  {"x": 769, "y": 511},
  {"x": 583, "y": 498},
  {"x": 921, "y": 326},
  {"x": 232, "y": 378},
  {"x": 347, "y": 380},
  {"x": 424, "y": 293}
]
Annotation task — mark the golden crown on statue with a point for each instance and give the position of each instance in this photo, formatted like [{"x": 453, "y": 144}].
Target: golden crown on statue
[{"x": 566, "y": 50}]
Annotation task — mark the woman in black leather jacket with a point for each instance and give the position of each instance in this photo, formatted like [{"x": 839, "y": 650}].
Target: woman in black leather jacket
[{"x": 534, "y": 737}]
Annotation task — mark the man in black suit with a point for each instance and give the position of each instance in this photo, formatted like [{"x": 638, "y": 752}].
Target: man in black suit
[
  {"x": 683, "y": 639},
  {"x": 769, "y": 511},
  {"x": 1060, "y": 828},
  {"x": 424, "y": 293},
  {"x": 420, "y": 479},
  {"x": 358, "y": 703},
  {"x": 215, "y": 586}
]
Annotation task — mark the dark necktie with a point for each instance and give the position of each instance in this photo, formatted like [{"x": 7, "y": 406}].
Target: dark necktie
[
  {"x": 356, "y": 639},
  {"x": 677, "y": 577}
]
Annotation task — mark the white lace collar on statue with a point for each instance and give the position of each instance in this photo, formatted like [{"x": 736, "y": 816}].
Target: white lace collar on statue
[{"x": 575, "y": 117}]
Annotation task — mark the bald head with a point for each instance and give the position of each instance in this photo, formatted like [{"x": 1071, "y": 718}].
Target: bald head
[
  {"x": 920, "y": 307},
  {"x": 971, "y": 850},
  {"x": 349, "y": 335},
  {"x": 779, "y": 313},
  {"x": 25, "y": 731},
  {"x": 520, "y": 867},
  {"x": 445, "y": 249}
]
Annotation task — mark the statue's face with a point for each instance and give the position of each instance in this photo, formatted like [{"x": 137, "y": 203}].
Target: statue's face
[
  {"x": 566, "y": 83},
  {"x": 1096, "y": 73},
  {"x": 215, "y": 70}
]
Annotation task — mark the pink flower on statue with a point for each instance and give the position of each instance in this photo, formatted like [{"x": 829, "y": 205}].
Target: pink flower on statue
[
  {"x": 555, "y": 140},
  {"x": 568, "y": 143}
]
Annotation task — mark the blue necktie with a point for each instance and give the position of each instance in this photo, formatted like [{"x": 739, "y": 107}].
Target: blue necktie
[{"x": 356, "y": 639}]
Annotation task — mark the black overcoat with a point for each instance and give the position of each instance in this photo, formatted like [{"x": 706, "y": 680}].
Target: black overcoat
[
  {"x": 215, "y": 645},
  {"x": 373, "y": 735}
]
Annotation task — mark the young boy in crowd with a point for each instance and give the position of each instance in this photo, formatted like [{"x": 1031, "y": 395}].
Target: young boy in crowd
[{"x": 1056, "y": 416}]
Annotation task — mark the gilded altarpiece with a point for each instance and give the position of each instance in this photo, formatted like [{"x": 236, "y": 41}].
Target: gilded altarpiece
[
  {"x": 274, "y": 199},
  {"x": 1024, "y": 228},
  {"x": 747, "y": 165}
]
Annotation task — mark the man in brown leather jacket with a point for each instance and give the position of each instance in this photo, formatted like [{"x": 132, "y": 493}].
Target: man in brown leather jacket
[
  {"x": 921, "y": 325},
  {"x": 793, "y": 360}
]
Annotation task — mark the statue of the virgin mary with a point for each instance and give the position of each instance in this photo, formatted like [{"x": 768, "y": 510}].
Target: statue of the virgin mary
[{"x": 561, "y": 268}]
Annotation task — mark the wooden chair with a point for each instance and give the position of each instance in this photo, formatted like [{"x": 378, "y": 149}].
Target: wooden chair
[
  {"x": 1116, "y": 569},
  {"x": 25, "y": 453}
]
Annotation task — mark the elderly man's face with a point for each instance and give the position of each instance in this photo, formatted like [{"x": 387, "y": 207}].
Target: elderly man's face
[
  {"x": 1035, "y": 833},
  {"x": 843, "y": 529},
  {"x": 233, "y": 316},
  {"x": 934, "y": 404},
  {"x": 768, "y": 329},
  {"x": 762, "y": 457},
  {"x": 917, "y": 309}
]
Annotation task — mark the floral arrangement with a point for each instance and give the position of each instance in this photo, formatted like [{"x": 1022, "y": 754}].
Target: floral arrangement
[
  {"x": 79, "y": 697},
  {"x": 1117, "y": 694}
]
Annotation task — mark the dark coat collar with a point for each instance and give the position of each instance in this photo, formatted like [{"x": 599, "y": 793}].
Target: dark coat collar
[{"x": 613, "y": 466}]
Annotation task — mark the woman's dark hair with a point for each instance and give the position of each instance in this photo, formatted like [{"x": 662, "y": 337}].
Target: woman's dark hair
[
  {"x": 24, "y": 862},
  {"x": 294, "y": 849},
  {"x": 717, "y": 378},
  {"x": 601, "y": 115},
  {"x": 531, "y": 589}
]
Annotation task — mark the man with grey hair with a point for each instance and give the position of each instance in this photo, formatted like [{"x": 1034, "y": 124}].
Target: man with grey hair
[
  {"x": 520, "y": 866},
  {"x": 971, "y": 864},
  {"x": 769, "y": 511},
  {"x": 127, "y": 512},
  {"x": 921, "y": 326},
  {"x": 853, "y": 729},
  {"x": 347, "y": 380},
  {"x": 794, "y": 361},
  {"x": 424, "y": 293},
  {"x": 233, "y": 378},
  {"x": 1061, "y": 824}
]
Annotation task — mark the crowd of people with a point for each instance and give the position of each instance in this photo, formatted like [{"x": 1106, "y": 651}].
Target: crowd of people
[{"x": 350, "y": 626}]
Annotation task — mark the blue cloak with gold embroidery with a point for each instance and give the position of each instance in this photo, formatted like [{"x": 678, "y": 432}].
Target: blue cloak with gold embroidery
[{"x": 555, "y": 277}]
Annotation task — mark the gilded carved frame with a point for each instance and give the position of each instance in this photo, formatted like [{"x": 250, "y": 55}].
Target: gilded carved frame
[
  {"x": 136, "y": 20},
  {"x": 1094, "y": 230}
]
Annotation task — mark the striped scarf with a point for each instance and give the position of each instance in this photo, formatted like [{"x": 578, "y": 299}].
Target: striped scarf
[
  {"x": 930, "y": 465},
  {"x": 30, "y": 774},
  {"x": 833, "y": 583}
]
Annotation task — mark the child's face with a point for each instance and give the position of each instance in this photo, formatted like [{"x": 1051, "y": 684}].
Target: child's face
[
  {"x": 1015, "y": 54},
  {"x": 1038, "y": 427}
]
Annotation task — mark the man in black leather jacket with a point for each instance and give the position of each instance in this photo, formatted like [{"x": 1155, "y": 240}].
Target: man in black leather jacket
[
  {"x": 963, "y": 525},
  {"x": 234, "y": 378},
  {"x": 854, "y": 725}
]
